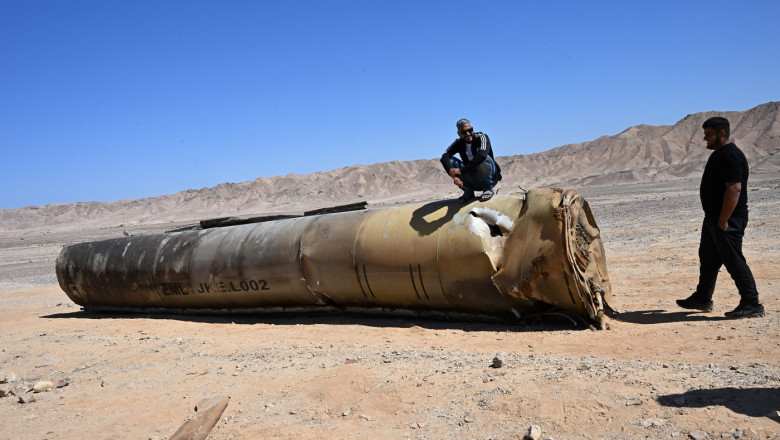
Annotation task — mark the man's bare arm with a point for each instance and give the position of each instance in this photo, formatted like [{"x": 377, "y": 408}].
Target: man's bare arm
[{"x": 730, "y": 199}]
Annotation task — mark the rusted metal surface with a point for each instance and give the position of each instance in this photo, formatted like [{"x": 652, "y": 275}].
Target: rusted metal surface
[
  {"x": 515, "y": 254},
  {"x": 232, "y": 221},
  {"x": 340, "y": 208}
]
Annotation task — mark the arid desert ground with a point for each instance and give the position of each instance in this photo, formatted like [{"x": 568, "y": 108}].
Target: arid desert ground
[{"x": 657, "y": 372}]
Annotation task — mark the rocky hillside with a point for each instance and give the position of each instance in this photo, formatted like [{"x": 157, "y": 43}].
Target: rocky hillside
[
  {"x": 641, "y": 153},
  {"x": 646, "y": 153}
]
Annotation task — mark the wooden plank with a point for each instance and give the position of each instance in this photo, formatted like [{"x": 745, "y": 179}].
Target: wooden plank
[{"x": 198, "y": 428}]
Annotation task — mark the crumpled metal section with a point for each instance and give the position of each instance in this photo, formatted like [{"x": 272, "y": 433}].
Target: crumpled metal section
[
  {"x": 554, "y": 254},
  {"x": 513, "y": 255}
]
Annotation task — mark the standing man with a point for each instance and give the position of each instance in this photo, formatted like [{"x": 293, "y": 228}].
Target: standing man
[
  {"x": 723, "y": 193},
  {"x": 476, "y": 170}
]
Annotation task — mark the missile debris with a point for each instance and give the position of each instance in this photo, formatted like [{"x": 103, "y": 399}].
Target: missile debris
[{"x": 513, "y": 255}]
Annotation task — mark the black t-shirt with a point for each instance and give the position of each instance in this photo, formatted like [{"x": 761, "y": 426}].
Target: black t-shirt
[{"x": 727, "y": 164}]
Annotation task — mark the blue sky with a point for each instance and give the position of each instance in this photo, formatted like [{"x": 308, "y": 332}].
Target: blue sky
[{"x": 104, "y": 100}]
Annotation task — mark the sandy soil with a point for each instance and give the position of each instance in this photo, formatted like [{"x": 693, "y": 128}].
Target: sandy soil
[{"x": 658, "y": 372}]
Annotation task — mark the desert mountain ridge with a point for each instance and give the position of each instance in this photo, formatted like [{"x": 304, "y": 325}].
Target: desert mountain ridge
[{"x": 640, "y": 154}]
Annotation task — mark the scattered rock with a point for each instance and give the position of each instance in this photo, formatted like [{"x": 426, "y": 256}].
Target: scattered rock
[
  {"x": 63, "y": 382},
  {"x": 46, "y": 363},
  {"x": 346, "y": 413},
  {"x": 633, "y": 402},
  {"x": 3, "y": 393},
  {"x": 20, "y": 388},
  {"x": 42, "y": 385},
  {"x": 8, "y": 378},
  {"x": 698, "y": 435},
  {"x": 653, "y": 423},
  {"x": 737, "y": 433},
  {"x": 534, "y": 433},
  {"x": 26, "y": 399},
  {"x": 498, "y": 361}
]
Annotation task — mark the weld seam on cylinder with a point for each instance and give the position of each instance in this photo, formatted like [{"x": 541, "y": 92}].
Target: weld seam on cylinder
[
  {"x": 365, "y": 275},
  {"x": 419, "y": 272},
  {"x": 360, "y": 283},
  {"x": 411, "y": 275}
]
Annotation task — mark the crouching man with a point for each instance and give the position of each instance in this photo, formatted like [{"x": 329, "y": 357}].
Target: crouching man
[{"x": 476, "y": 170}]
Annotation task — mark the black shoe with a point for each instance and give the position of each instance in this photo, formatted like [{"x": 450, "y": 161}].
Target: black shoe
[
  {"x": 694, "y": 303},
  {"x": 746, "y": 311},
  {"x": 466, "y": 197}
]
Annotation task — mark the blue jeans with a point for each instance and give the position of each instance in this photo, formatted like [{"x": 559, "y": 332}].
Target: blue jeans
[{"x": 479, "y": 178}]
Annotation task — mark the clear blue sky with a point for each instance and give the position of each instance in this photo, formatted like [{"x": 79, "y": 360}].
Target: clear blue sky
[{"x": 105, "y": 100}]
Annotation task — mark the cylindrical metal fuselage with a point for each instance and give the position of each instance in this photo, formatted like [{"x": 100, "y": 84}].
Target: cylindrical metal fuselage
[{"x": 500, "y": 258}]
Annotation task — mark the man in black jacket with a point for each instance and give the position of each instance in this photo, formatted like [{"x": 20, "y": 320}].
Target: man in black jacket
[
  {"x": 723, "y": 193},
  {"x": 476, "y": 170}
]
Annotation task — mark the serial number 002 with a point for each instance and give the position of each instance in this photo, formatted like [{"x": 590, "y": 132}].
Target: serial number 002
[{"x": 175, "y": 288}]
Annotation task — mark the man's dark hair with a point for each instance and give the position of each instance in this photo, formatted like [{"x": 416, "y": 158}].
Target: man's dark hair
[{"x": 718, "y": 123}]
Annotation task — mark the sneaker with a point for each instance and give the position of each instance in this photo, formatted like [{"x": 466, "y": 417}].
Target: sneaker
[
  {"x": 694, "y": 303},
  {"x": 746, "y": 311}
]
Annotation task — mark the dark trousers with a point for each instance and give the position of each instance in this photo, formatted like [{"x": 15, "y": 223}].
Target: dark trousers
[
  {"x": 480, "y": 178},
  {"x": 724, "y": 248}
]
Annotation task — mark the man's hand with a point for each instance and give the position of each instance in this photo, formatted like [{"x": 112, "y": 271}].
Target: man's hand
[
  {"x": 457, "y": 182},
  {"x": 453, "y": 172}
]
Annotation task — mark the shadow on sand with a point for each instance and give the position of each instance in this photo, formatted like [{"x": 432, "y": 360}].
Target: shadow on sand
[
  {"x": 532, "y": 323},
  {"x": 665, "y": 317},
  {"x": 753, "y": 402}
]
